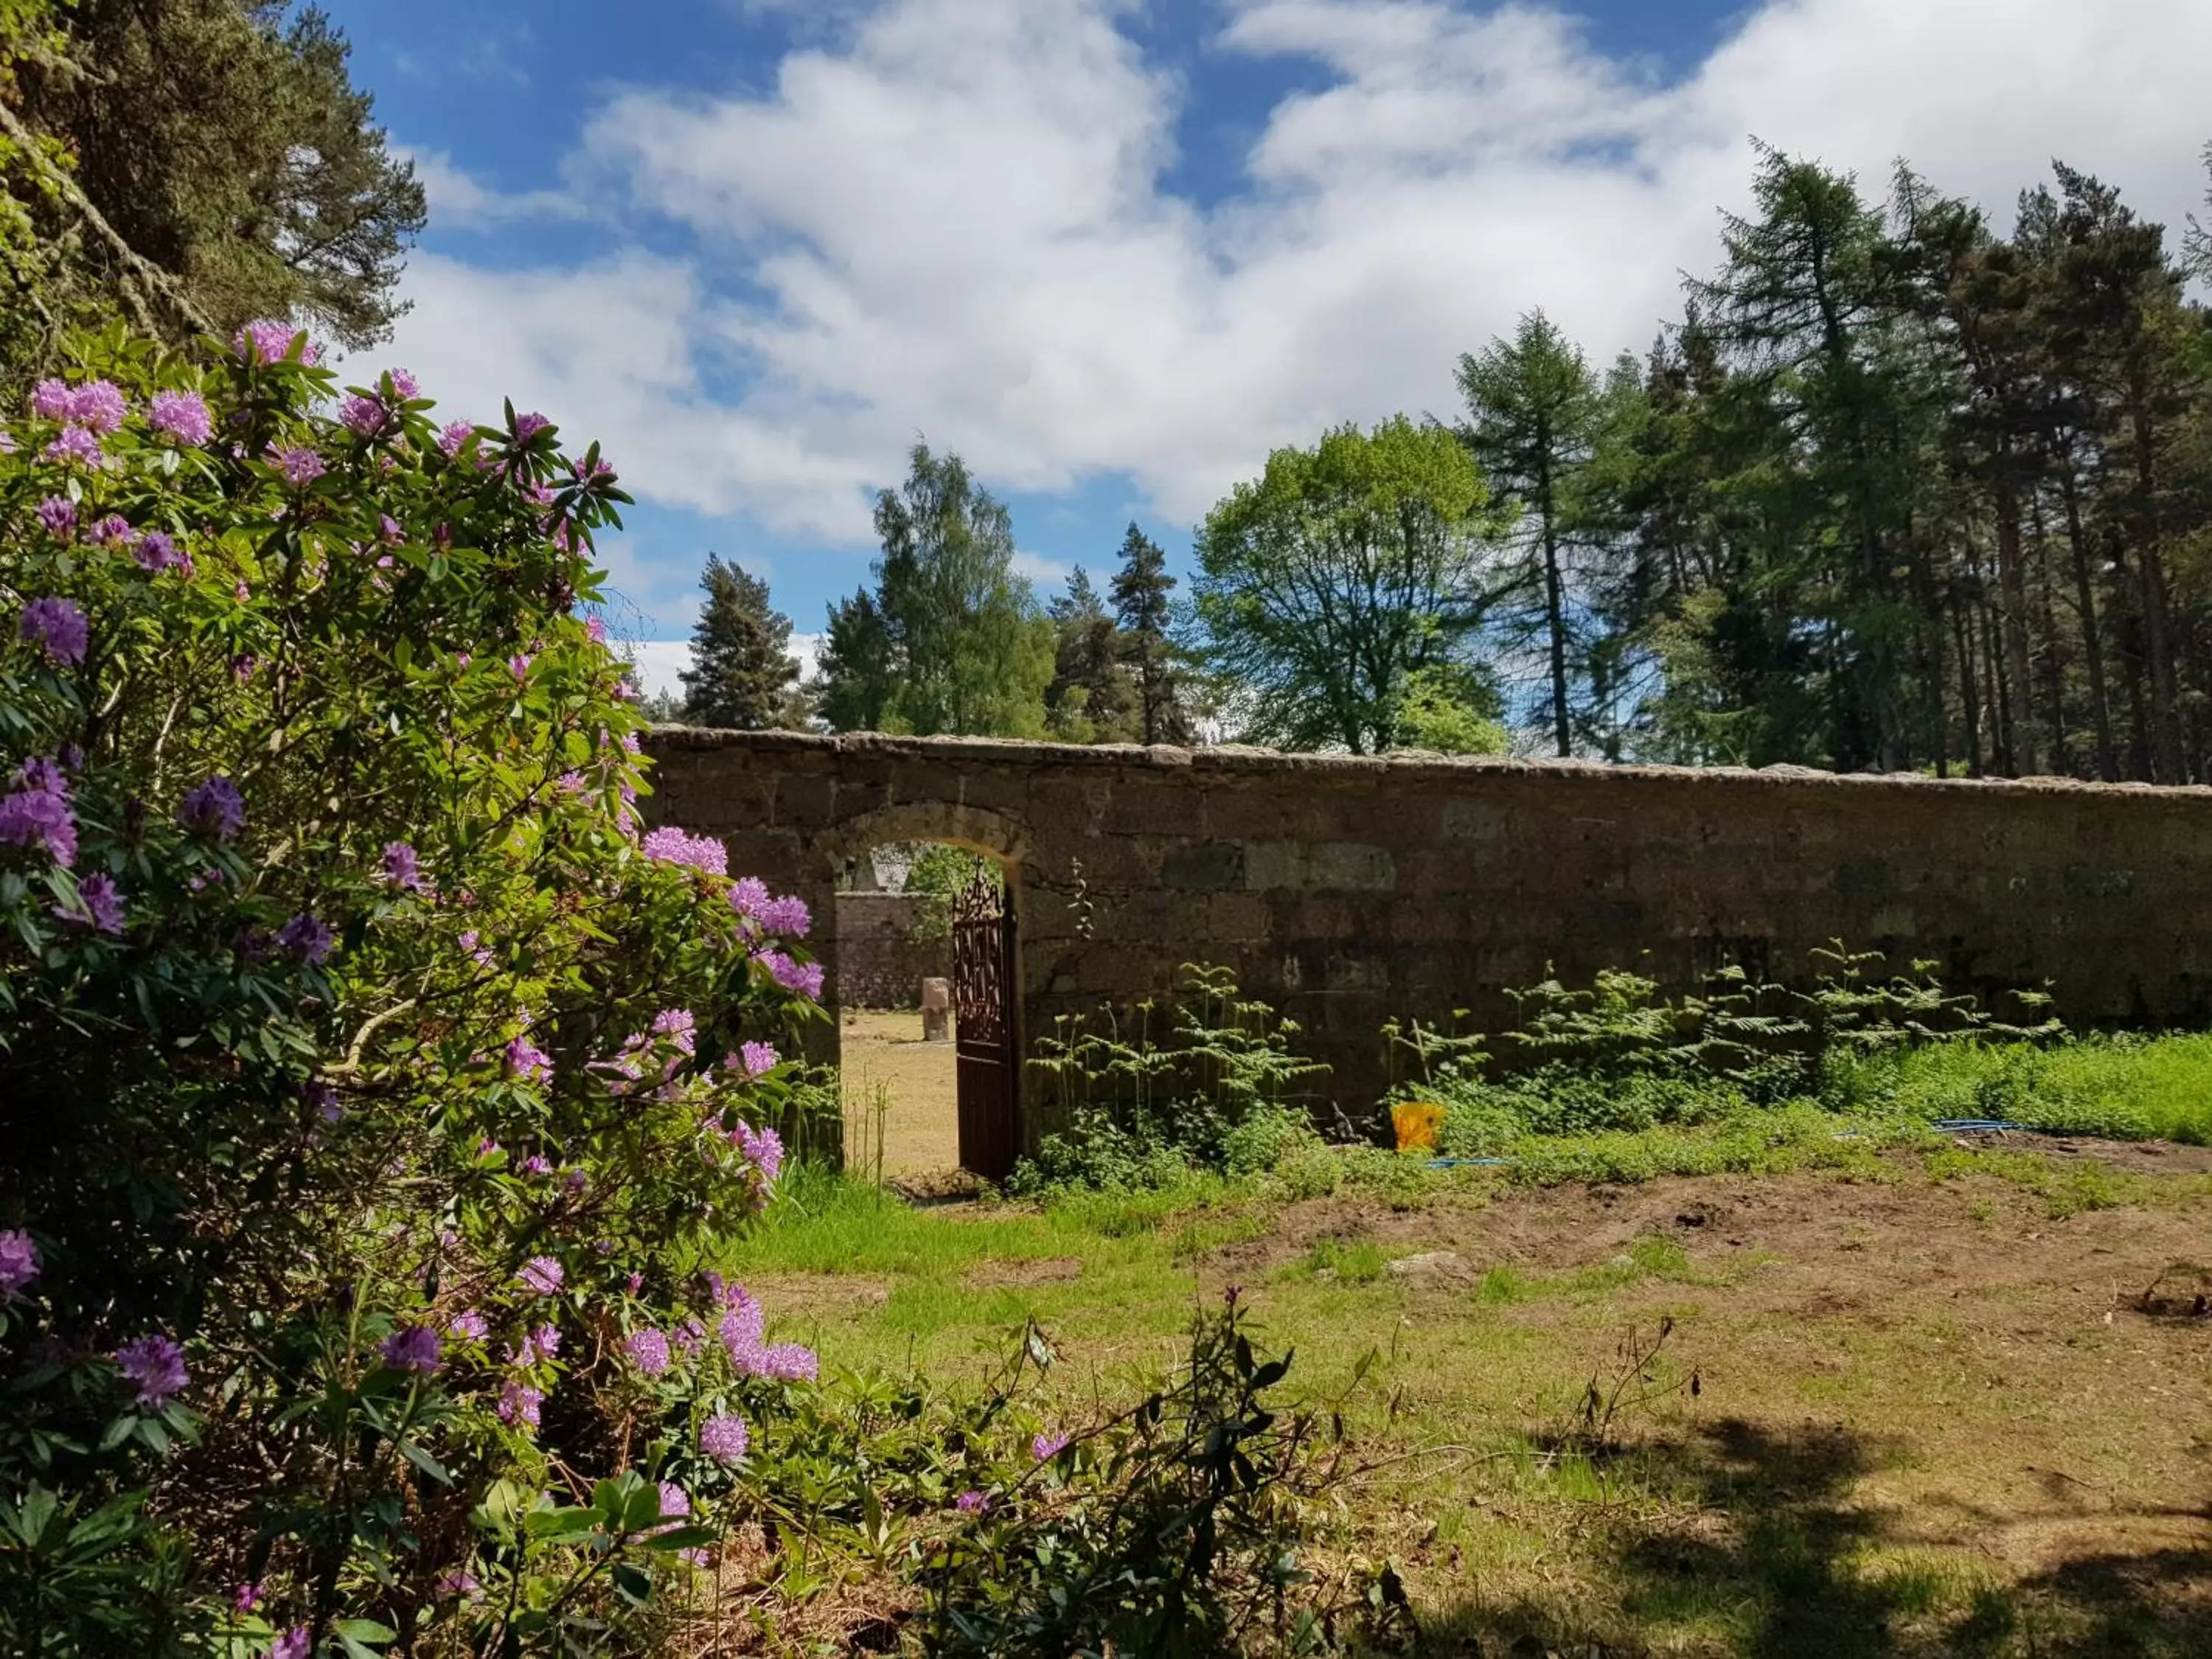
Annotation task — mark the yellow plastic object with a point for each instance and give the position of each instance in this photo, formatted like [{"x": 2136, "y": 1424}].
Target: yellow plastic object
[{"x": 1417, "y": 1122}]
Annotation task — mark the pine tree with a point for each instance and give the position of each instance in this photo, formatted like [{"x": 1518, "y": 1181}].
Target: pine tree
[
  {"x": 1533, "y": 407},
  {"x": 742, "y": 670},
  {"x": 1139, "y": 594},
  {"x": 1092, "y": 698}
]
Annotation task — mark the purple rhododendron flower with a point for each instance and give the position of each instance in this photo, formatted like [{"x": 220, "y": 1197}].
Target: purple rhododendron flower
[
  {"x": 786, "y": 916},
  {"x": 74, "y": 444},
  {"x": 403, "y": 384},
  {"x": 99, "y": 904},
  {"x": 528, "y": 426},
  {"x": 215, "y": 808},
  {"x": 182, "y": 415},
  {"x": 543, "y": 1275},
  {"x": 50, "y": 401},
  {"x": 98, "y": 405},
  {"x": 19, "y": 1262},
  {"x": 58, "y": 628},
  {"x": 155, "y": 1365},
  {"x": 469, "y": 1325},
  {"x": 1046, "y": 1447},
  {"x": 297, "y": 1643},
  {"x": 58, "y": 516},
  {"x": 519, "y": 1403},
  {"x": 648, "y": 1350},
  {"x": 453, "y": 435},
  {"x": 676, "y": 1025},
  {"x": 155, "y": 552},
  {"x": 37, "y": 812},
  {"x": 306, "y": 938},
  {"x": 520, "y": 664},
  {"x": 755, "y": 1060},
  {"x": 363, "y": 415},
  {"x": 114, "y": 531},
  {"x": 791, "y": 1362},
  {"x": 725, "y": 1438},
  {"x": 595, "y": 630},
  {"x": 971, "y": 1503},
  {"x": 412, "y": 1348},
  {"x": 803, "y": 977},
  {"x": 748, "y": 895},
  {"x": 245, "y": 1598},
  {"x": 301, "y": 465},
  {"x": 402, "y": 867},
  {"x": 761, "y": 1148},
  {"x": 674, "y": 1503},
  {"x": 536, "y": 1165},
  {"x": 527, "y": 1060},
  {"x": 460, "y": 1583},
  {"x": 674, "y": 846},
  {"x": 271, "y": 341}
]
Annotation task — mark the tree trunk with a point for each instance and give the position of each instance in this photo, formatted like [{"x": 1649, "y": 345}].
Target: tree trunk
[
  {"x": 2020, "y": 733},
  {"x": 2093, "y": 643}
]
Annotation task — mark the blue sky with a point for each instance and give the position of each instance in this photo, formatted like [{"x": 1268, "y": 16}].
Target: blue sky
[{"x": 1114, "y": 252}]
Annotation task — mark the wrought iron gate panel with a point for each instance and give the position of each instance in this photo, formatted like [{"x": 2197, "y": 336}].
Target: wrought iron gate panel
[{"x": 984, "y": 1029}]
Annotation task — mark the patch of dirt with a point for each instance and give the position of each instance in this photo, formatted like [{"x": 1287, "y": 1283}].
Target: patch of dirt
[
  {"x": 813, "y": 1296},
  {"x": 2150, "y": 1157},
  {"x": 1009, "y": 1275}
]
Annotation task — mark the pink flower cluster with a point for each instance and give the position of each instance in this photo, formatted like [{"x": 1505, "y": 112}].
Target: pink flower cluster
[
  {"x": 19, "y": 1262},
  {"x": 181, "y": 414},
  {"x": 672, "y": 845},
  {"x": 96, "y": 406},
  {"x": 58, "y": 629},
  {"x": 750, "y": 1356},
  {"x": 37, "y": 811},
  {"x": 271, "y": 341}
]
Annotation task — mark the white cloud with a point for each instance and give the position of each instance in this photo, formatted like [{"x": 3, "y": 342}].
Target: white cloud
[
  {"x": 457, "y": 199},
  {"x": 951, "y": 220}
]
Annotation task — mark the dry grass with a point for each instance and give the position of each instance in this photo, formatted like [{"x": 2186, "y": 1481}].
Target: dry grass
[{"x": 921, "y": 1133}]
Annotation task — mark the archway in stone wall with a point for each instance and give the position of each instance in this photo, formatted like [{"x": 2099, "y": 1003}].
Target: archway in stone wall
[{"x": 919, "y": 890}]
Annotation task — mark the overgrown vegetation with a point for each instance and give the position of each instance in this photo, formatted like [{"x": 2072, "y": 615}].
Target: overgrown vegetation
[{"x": 1143, "y": 1096}]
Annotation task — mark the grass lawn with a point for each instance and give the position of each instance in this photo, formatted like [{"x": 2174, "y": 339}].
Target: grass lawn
[{"x": 1932, "y": 1412}]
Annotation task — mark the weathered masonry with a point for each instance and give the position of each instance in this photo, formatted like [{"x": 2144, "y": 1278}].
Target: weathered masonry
[{"x": 1349, "y": 890}]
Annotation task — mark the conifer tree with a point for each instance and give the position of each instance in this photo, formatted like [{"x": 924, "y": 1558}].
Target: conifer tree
[
  {"x": 742, "y": 670},
  {"x": 1139, "y": 594},
  {"x": 1092, "y": 698}
]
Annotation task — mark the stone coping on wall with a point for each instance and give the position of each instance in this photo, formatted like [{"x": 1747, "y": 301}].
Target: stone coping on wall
[{"x": 1233, "y": 758}]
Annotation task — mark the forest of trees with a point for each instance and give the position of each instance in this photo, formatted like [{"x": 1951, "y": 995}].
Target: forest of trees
[{"x": 1902, "y": 490}]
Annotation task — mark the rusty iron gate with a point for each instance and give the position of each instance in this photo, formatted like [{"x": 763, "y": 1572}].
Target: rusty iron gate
[{"x": 983, "y": 1027}]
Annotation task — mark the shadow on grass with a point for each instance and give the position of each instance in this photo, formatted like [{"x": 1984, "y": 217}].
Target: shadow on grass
[{"x": 1766, "y": 1558}]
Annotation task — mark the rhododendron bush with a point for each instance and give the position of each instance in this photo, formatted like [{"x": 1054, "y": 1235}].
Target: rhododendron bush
[{"x": 374, "y": 1087}]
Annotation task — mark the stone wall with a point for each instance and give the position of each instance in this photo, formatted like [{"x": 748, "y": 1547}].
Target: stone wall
[
  {"x": 1349, "y": 890},
  {"x": 880, "y": 963}
]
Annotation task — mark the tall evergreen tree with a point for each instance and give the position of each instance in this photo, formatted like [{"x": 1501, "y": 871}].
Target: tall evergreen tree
[
  {"x": 1140, "y": 591},
  {"x": 742, "y": 672},
  {"x": 1091, "y": 698},
  {"x": 189, "y": 165},
  {"x": 1533, "y": 408}
]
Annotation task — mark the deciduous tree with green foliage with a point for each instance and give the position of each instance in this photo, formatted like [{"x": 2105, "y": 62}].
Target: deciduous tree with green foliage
[
  {"x": 951, "y": 639},
  {"x": 1343, "y": 570}
]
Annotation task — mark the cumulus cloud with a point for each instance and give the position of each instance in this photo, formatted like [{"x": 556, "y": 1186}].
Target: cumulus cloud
[{"x": 948, "y": 216}]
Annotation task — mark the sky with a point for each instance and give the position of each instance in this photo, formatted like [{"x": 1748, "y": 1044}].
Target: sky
[{"x": 1113, "y": 251}]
